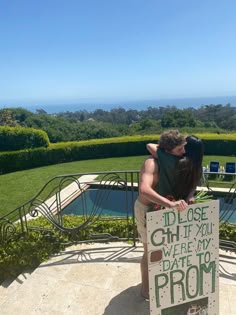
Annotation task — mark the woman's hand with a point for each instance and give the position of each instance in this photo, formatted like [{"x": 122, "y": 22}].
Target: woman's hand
[
  {"x": 191, "y": 200},
  {"x": 180, "y": 205}
]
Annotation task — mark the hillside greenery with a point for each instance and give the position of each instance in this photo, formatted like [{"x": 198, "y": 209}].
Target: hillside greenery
[{"x": 85, "y": 125}]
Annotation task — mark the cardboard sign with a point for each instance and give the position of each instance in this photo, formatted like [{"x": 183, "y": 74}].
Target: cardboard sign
[{"x": 183, "y": 260}]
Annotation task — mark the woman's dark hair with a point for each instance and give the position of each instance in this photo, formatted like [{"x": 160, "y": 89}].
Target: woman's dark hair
[{"x": 189, "y": 168}]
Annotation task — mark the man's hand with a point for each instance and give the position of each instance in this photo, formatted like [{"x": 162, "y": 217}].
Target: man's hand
[{"x": 180, "y": 205}]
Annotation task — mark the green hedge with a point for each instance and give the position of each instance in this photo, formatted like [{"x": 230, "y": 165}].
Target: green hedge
[
  {"x": 18, "y": 138},
  {"x": 35, "y": 247},
  {"x": 102, "y": 148}
]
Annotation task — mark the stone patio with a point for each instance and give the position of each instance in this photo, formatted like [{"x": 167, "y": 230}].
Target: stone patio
[{"x": 96, "y": 279}]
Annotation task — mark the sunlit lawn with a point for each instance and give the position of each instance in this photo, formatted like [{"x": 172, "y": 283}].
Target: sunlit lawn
[{"x": 19, "y": 187}]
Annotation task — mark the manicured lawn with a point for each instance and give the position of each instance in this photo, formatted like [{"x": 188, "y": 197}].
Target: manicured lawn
[{"x": 19, "y": 187}]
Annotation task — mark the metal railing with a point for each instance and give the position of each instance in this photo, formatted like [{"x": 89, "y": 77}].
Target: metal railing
[{"x": 57, "y": 194}]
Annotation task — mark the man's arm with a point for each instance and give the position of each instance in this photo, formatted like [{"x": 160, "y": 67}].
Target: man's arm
[
  {"x": 148, "y": 180},
  {"x": 152, "y": 149}
]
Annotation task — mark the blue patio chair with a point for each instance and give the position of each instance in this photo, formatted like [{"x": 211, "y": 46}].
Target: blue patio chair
[
  {"x": 214, "y": 167},
  {"x": 230, "y": 167}
]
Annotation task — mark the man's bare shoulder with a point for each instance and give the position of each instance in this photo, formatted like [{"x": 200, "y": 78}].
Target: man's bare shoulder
[{"x": 150, "y": 163}]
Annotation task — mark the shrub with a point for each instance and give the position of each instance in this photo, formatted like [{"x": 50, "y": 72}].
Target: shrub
[
  {"x": 18, "y": 138},
  {"x": 31, "y": 249},
  {"x": 26, "y": 253},
  {"x": 101, "y": 148},
  {"x": 228, "y": 231}
]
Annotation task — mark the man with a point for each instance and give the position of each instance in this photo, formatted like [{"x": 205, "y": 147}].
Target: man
[{"x": 153, "y": 187}]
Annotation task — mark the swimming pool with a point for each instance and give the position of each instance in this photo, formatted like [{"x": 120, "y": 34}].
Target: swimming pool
[
  {"x": 228, "y": 211},
  {"x": 105, "y": 202},
  {"x": 119, "y": 203}
]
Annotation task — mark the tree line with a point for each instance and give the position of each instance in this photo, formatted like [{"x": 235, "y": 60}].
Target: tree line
[{"x": 83, "y": 125}]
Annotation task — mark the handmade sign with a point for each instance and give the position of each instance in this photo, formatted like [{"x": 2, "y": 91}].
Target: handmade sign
[{"x": 183, "y": 260}]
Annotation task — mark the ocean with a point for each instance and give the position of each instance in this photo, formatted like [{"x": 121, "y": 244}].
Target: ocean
[{"x": 180, "y": 103}]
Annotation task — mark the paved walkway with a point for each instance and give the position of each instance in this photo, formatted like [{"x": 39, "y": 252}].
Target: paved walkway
[{"x": 96, "y": 279}]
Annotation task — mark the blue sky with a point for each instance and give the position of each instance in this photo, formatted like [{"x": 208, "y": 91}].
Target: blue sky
[{"x": 55, "y": 51}]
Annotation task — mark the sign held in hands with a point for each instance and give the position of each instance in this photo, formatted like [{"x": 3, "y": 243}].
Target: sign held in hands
[{"x": 183, "y": 258}]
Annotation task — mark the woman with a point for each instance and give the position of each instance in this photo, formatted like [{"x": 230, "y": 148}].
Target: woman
[{"x": 187, "y": 171}]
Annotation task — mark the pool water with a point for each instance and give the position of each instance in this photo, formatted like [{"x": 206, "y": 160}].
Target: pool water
[
  {"x": 119, "y": 203},
  {"x": 108, "y": 202},
  {"x": 230, "y": 211}
]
